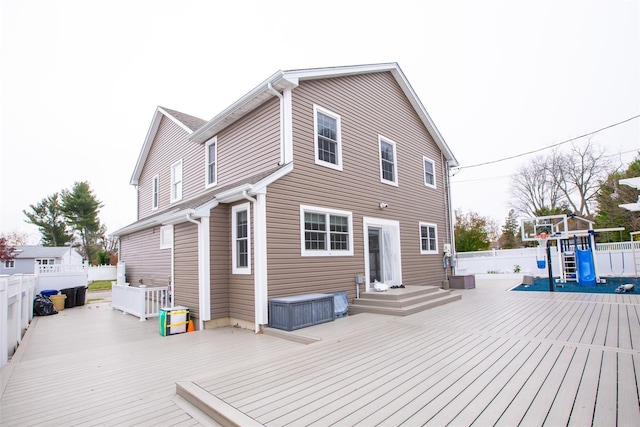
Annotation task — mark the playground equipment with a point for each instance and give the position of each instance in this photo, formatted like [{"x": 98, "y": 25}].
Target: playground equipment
[{"x": 575, "y": 259}]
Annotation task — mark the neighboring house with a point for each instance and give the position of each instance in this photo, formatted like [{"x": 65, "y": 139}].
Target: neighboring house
[
  {"x": 311, "y": 179},
  {"x": 27, "y": 257}
]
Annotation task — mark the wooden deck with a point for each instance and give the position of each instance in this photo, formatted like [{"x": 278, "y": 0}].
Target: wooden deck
[{"x": 492, "y": 358}]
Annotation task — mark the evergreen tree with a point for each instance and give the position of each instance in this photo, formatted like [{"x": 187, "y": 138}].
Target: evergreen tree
[
  {"x": 48, "y": 217},
  {"x": 510, "y": 239},
  {"x": 610, "y": 196},
  {"x": 81, "y": 208}
]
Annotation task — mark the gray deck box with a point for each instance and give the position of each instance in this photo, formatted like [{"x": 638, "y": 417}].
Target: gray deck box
[
  {"x": 462, "y": 282},
  {"x": 300, "y": 311}
]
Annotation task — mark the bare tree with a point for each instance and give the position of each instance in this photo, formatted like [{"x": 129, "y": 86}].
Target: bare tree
[
  {"x": 533, "y": 189},
  {"x": 578, "y": 175},
  {"x": 560, "y": 182},
  {"x": 16, "y": 238}
]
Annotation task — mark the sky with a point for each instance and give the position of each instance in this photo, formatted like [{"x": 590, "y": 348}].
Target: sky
[{"x": 81, "y": 81}]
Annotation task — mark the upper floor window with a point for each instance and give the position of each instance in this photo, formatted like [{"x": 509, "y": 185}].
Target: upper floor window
[
  {"x": 211, "y": 159},
  {"x": 241, "y": 238},
  {"x": 325, "y": 232},
  {"x": 388, "y": 162},
  {"x": 429, "y": 172},
  {"x": 328, "y": 145},
  {"x": 428, "y": 238},
  {"x": 176, "y": 181},
  {"x": 10, "y": 264},
  {"x": 155, "y": 191}
]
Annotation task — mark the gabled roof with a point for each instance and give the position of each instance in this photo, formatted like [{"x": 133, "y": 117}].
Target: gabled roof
[
  {"x": 291, "y": 78},
  {"x": 186, "y": 122},
  {"x": 40, "y": 251}
]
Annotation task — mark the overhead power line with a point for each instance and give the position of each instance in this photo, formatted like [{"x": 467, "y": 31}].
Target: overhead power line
[{"x": 549, "y": 146}]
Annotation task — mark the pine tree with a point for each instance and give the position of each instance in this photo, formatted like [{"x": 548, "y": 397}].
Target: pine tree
[
  {"x": 48, "y": 217},
  {"x": 81, "y": 208},
  {"x": 509, "y": 238}
]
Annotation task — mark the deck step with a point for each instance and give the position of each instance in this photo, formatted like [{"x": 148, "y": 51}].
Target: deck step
[
  {"x": 402, "y": 302},
  {"x": 217, "y": 409}
]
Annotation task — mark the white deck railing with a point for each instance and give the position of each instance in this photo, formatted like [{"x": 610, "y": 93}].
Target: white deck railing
[
  {"x": 139, "y": 301},
  {"x": 16, "y": 311}
]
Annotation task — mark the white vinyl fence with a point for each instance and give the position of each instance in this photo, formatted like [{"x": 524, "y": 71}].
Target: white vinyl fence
[
  {"x": 139, "y": 301},
  {"x": 101, "y": 272},
  {"x": 611, "y": 259},
  {"x": 16, "y": 311}
]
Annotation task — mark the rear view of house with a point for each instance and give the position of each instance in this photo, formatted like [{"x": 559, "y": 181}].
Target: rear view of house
[{"x": 312, "y": 180}]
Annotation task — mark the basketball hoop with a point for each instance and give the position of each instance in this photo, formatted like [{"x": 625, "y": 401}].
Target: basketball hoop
[{"x": 541, "y": 238}]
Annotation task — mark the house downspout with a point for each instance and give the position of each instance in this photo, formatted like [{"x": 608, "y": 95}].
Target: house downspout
[
  {"x": 259, "y": 257},
  {"x": 204, "y": 292},
  {"x": 450, "y": 221},
  {"x": 279, "y": 95}
]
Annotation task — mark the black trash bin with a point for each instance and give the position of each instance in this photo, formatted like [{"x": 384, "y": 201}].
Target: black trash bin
[
  {"x": 81, "y": 292},
  {"x": 70, "y": 301}
]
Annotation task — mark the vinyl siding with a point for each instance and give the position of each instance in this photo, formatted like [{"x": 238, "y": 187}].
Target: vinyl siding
[
  {"x": 144, "y": 259},
  {"x": 185, "y": 243},
  {"x": 220, "y": 261},
  {"x": 246, "y": 148},
  {"x": 169, "y": 146},
  {"x": 369, "y": 105},
  {"x": 241, "y": 286}
]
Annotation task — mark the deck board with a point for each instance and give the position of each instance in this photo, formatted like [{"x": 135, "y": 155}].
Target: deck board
[{"x": 500, "y": 357}]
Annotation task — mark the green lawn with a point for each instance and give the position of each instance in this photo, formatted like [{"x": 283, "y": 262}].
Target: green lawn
[{"x": 100, "y": 285}]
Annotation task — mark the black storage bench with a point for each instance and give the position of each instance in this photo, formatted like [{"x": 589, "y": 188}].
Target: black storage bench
[{"x": 300, "y": 311}]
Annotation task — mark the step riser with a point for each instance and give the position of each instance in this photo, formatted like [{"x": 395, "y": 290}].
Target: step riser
[
  {"x": 391, "y": 294},
  {"x": 356, "y": 309},
  {"x": 401, "y": 303}
]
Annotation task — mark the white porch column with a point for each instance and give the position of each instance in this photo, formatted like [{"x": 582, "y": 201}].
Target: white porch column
[
  {"x": 204, "y": 269},
  {"x": 260, "y": 259}
]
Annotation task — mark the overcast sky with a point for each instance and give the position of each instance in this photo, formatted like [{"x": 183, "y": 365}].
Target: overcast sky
[{"x": 81, "y": 80}]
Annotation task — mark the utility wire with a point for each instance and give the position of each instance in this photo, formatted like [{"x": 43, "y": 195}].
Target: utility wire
[{"x": 549, "y": 146}]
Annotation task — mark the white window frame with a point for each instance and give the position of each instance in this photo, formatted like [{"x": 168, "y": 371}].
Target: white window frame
[
  {"x": 429, "y": 251},
  {"x": 394, "y": 182},
  {"x": 166, "y": 237},
  {"x": 46, "y": 261},
  {"x": 10, "y": 264},
  {"x": 207, "y": 182},
  {"x": 155, "y": 192},
  {"x": 337, "y": 166},
  {"x": 175, "y": 181},
  {"x": 424, "y": 171},
  {"x": 328, "y": 251},
  {"x": 234, "y": 239}
]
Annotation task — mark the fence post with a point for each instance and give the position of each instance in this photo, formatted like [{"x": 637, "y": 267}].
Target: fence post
[
  {"x": 143, "y": 303},
  {"x": 4, "y": 350}
]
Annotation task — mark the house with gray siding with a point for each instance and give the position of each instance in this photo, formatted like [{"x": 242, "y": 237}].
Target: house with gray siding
[
  {"x": 29, "y": 256},
  {"x": 311, "y": 179}
]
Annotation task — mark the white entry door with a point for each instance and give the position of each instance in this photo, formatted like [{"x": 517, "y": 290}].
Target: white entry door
[{"x": 382, "y": 251}]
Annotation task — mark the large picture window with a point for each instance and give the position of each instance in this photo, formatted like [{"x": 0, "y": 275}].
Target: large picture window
[
  {"x": 388, "y": 162},
  {"x": 328, "y": 144},
  {"x": 176, "y": 181},
  {"x": 325, "y": 232},
  {"x": 241, "y": 237},
  {"x": 428, "y": 238}
]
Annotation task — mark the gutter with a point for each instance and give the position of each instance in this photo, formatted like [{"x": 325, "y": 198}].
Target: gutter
[
  {"x": 279, "y": 95},
  {"x": 204, "y": 277}
]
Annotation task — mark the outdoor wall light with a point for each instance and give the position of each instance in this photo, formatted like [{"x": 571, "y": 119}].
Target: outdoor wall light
[{"x": 383, "y": 205}]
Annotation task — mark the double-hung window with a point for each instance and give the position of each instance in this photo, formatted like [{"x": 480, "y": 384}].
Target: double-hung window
[
  {"x": 325, "y": 232},
  {"x": 388, "y": 161},
  {"x": 241, "y": 238},
  {"x": 428, "y": 238},
  {"x": 211, "y": 160},
  {"x": 10, "y": 264},
  {"x": 155, "y": 192},
  {"x": 176, "y": 181},
  {"x": 328, "y": 144},
  {"x": 429, "y": 172}
]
